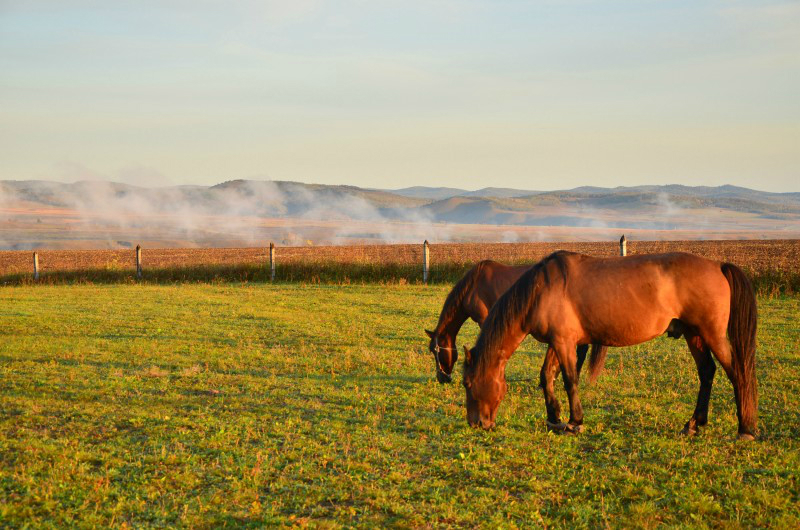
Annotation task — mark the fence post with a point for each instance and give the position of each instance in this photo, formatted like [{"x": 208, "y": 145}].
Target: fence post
[
  {"x": 426, "y": 261},
  {"x": 272, "y": 261},
  {"x": 623, "y": 246},
  {"x": 139, "y": 261},
  {"x": 36, "y": 266}
]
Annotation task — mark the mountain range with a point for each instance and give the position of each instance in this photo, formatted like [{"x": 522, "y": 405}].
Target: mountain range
[{"x": 193, "y": 209}]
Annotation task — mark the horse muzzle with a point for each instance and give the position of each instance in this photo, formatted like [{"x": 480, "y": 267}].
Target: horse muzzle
[{"x": 486, "y": 425}]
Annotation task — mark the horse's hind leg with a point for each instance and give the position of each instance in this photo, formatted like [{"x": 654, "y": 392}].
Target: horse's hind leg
[
  {"x": 550, "y": 368},
  {"x": 705, "y": 371},
  {"x": 721, "y": 349},
  {"x": 581, "y": 351}
]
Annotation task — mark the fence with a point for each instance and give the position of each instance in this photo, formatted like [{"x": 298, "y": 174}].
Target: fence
[{"x": 428, "y": 263}]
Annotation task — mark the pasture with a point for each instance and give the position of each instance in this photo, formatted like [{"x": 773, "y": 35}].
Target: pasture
[{"x": 212, "y": 405}]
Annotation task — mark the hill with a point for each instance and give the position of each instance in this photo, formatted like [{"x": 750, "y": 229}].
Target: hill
[{"x": 241, "y": 212}]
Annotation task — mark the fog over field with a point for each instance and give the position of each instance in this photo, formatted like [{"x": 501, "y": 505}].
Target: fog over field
[{"x": 99, "y": 214}]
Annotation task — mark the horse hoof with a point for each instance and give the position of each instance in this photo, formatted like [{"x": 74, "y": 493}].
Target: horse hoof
[
  {"x": 575, "y": 429},
  {"x": 746, "y": 437},
  {"x": 556, "y": 427}
]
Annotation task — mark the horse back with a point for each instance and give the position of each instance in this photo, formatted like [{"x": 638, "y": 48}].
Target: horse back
[
  {"x": 495, "y": 279},
  {"x": 626, "y": 300}
]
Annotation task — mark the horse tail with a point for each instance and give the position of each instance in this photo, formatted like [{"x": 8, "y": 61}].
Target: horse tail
[
  {"x": 597, "y": 359},
  {"x": 742, "y": 325}
]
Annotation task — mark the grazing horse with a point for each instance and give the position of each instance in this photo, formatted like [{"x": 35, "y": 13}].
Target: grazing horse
[
  {"x": 568, "y": 299},
  {"x": 472, "y": 297}
]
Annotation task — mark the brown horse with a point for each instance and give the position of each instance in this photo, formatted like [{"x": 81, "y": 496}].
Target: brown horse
[
  {"x": 568, "y": 299},
  {"x": 472, "y": 297}
]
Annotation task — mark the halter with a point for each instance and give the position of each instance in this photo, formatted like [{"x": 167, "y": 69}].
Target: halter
[{"x": 436, "y": 350}]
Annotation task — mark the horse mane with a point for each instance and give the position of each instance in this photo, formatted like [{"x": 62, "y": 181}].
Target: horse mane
[
  {"x": 512, "y": 306},
  {"x": 460, "y": 290}
]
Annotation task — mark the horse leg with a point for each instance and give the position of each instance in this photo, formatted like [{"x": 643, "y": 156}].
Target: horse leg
[
  {"x": 581, "y": 352},
  {"x": 566, "y": 357},
  {"x": 705, "y": 371},
  {"x": 569, "y": 373},
  {"x": 550, "y": 369},
  {"x": 721, "y": 349}
]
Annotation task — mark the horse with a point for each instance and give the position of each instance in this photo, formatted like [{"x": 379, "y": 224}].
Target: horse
[
  {"x": 568, "y": 299},
  {"x": 472, "y": 297}
]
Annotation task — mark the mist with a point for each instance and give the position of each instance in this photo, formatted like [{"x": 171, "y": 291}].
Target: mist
[
  {"x": 235, "y": 213},
  {"x": 245, "y": 213}
]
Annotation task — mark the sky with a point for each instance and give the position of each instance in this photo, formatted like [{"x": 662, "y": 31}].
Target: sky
[{"x": 525, "y": 94}]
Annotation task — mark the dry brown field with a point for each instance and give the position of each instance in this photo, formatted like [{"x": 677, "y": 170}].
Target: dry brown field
[
  {"x": 28, "y": 227},
  {"x": 754, "y": 255}
]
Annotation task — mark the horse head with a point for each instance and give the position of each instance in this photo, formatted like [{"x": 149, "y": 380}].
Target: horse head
[
  {"x": 485, "y": 389},
  {"x": 445, "y": 354}
]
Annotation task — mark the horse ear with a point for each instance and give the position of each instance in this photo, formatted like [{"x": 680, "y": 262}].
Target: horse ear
[
  {"x": 430, "y": 333},
  {"x": 467, "y": 355}
]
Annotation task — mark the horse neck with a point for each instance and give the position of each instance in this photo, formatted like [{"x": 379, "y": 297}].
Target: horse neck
[
  {"x": 502, "y": 332},
  {"x": 510, "y": 339},
  {"x": 451, "y": 320},
  {"x": 495, "y": 358}
]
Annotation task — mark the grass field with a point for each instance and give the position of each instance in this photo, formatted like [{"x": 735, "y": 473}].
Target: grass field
[{"x": 250, "y": 404}]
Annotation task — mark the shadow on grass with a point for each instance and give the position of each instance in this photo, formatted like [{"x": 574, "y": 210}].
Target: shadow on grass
[
  {"x": 766, "y": 282},
  {"x": 318, "y": 273}
]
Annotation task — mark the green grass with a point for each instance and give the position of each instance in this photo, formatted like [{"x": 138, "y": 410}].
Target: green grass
[{"x": 256, "y": 404}]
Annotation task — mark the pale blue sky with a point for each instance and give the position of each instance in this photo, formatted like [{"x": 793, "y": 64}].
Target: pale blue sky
[{"x": 536, "y": 95}]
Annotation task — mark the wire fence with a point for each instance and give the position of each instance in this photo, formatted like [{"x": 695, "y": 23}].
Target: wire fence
[{"x": 776, "y": 260}]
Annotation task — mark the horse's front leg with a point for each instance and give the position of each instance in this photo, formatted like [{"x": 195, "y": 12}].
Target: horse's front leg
[
  {"x": 547, "y": 376},
  {"x": 580, "y": 351},
  {"x": 569, "y": 373}
]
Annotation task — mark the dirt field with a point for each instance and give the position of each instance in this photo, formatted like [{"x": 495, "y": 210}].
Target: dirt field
[{"x": 30, "y": 227}]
